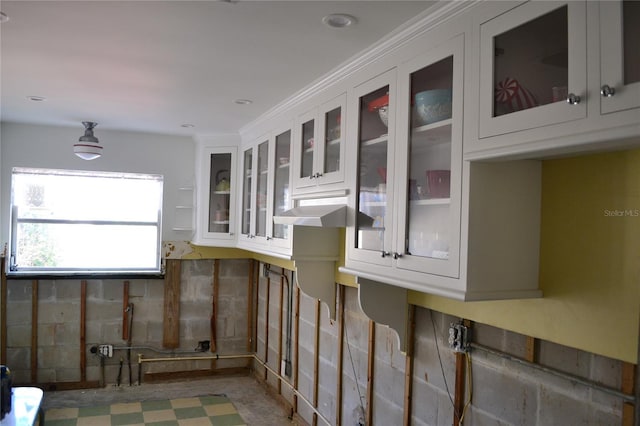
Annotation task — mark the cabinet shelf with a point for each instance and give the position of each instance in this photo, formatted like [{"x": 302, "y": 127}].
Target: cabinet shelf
[
  {"x": 222, "y": 192},
  {"x": 376, "y": 141},
  {"x": 184, "y": 207},
  {"x": 431, "y": 202},
  {"x": 433, "y": 134},
  {"x": 220, "y": 222},
  {"x": 333, "y": 142},
  {"x": 283, "y": 166}
]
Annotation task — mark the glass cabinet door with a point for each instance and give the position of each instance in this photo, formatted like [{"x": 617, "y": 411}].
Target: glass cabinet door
[
  {"x": 533, "y": 67},
  {"x": 220, "y": 192},
  {"x": 331, "y": 131},
  {"x": 620, "y": 55},
  {"x": 307, "y": 150},
  {"x": 262, "y": 185},
  {"x": 429, "y": 190},
  {"x": 247, "y": 190},
  {"x": 281, "y": 194},
  {"x": 373, "y": 230}
]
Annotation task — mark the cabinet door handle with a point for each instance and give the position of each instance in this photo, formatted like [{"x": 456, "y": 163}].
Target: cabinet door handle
[
  {"x": 573, "y": 99},
  {"x": 268, "y": 238},
  {"x": 318, "y": 175},
  {"x": 384, "y": 253},
  {"x": 312, "y": 176},
  {"x": 397, "y": 255},
  {"x": 607, "y": 91}
]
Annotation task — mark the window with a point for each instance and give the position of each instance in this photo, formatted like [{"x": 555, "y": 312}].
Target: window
[{"x": 69, "y": 222}]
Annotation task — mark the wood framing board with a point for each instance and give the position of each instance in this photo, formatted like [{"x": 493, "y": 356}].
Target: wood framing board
[
  {"x": 171, "y": 318},
  {"x": 34, "y": 331}
]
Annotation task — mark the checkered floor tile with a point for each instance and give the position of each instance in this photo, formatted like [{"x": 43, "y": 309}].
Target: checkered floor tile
[{"x": 198, "y": 411}]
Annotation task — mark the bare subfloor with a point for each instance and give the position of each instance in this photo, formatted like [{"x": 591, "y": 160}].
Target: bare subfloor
[{"x": 253, "y": 402}]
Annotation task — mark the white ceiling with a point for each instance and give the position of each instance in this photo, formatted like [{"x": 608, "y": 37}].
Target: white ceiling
[{"x": 153, "y": 65}]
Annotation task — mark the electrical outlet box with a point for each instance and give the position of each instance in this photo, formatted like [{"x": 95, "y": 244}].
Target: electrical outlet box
[
  {"x": 459, "y": 338},
  {"x": 105, "y": 351}
]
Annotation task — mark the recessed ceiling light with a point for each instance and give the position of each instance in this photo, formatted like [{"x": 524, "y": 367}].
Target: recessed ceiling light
[
  {"x": 36, "y": 98},
  {"x": 338, "y": 20},
  {"x": 243, "y": 101},
  {"x": 187, "y": 125},
  {"x": 3, "y": 17}
]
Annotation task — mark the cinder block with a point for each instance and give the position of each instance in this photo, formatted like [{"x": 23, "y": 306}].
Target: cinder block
[
  {"x": 18, "y": 313},
  {"x": 95, "y": 290},
  {"x": 66, "y": 357},
  {"x": 512, "y": 399},
  {"x": 234, "y": 267},
  {"x": 566, "y": 359},
  {"x": 67, "y": 290},
  {"x": 18, "y": 291},
  {"x": 46, "y": 290},
  {"x": 19, "y": 336},
  {"x": 113, "y": 290},
  {"x": 202, "y": 267},
  {"x": 111, "y": 332},
  {"x": 18, "y": 358},
  {"x": 155, "y": 289},
  {"x": 46, "y": 334},
  {"x": 68, "y": 375},
  {"x": 58, "y": 312},
  {"x": 46, "y": 375},
  {"x": 99, "y": 310},
  {"x": 137, "y": 288},
  {"x": 154, "y": 332},
  {"x": 67, "y": 333}
]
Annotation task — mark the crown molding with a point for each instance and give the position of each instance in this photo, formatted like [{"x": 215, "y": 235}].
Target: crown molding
[{"x": 439, "y": 13}]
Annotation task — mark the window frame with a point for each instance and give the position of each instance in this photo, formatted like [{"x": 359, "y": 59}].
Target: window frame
[{"x": 16, "y": 271}]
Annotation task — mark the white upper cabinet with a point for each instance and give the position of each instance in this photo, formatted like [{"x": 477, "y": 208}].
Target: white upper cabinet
[
  {"x": 423, "y": 218},
  {"x": 319, "y": 149},
  {"x": 554, "y": 77},
  {"x": 266, "y": 179},
  {"x": 216, "y": 193},
  {"x": 620, "y": 55},
  {"x": 533, "y": 67}
]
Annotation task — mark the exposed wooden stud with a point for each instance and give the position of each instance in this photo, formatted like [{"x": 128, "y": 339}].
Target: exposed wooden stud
[
  {"x": 531, "y": 354},
  {"x": 83, "y": 331},
  {"x": 256, "y": 278},
  {"x": 3, "y": 312},
  {"x": 458, "y": 399},
  {"x": 34, "y": 331},
  {"x": 171, "y": 319},
  {"x": 250, "y": 312},
  {"x": 281, "y": 310},
  {"x": 340, "y": 354},
  {"x": 266, "y": 327},
  {"x": 316, "y": 362},
  {"x": 214, "y": 309},
  {"x": 459, "y": 393},
  {"x": 370, "y": 372},
  {"x": 296, "y": 351},
  {"x": 125, "y": 312},
  {"x": 628, "y": 387},
  {"x": 408, "y": 367}
]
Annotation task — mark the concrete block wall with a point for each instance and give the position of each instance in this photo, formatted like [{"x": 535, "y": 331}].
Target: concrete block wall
[
  {"x": 505, "y": 392},
  {"x": 58, "y": 353}
]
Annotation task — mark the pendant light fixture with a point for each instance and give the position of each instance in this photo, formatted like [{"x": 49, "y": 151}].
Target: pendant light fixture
[{"x": 88, "y": 147}]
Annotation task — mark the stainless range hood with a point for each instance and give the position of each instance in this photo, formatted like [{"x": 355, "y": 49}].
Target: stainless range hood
[{"x": 329, "y": 216}]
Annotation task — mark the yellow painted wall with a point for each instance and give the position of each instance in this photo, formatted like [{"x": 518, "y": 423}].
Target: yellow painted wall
[{"x": 589, "y": 261}]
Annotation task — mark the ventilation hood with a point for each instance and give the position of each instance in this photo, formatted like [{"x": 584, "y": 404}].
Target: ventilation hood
[{"x": 326, "y": 216}]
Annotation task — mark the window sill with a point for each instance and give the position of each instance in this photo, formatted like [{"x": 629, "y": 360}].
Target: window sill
[{"x": 84, "y": 276}]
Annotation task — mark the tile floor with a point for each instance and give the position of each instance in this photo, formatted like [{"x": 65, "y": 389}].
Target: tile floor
[
  {"x": 196, "y": 411},
  {"x": 254, "y": 404}
]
